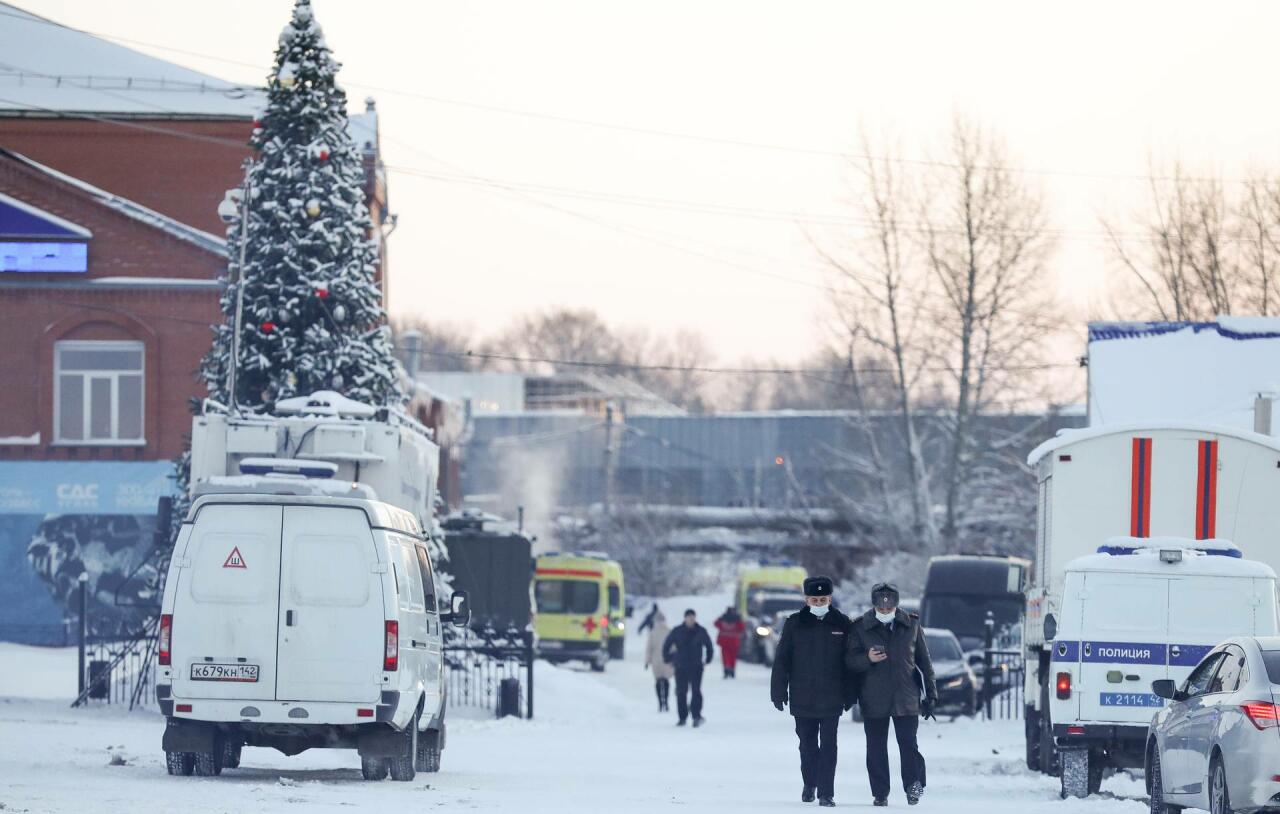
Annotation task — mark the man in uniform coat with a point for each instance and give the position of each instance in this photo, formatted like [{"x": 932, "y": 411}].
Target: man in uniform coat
[
  {"x": 688, "y": 649},
  {"x": 886, "y": 647},
  {"x": 809, "y": 673}
]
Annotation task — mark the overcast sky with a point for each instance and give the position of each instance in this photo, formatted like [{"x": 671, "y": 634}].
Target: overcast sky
[{"x": 1083, "y": 93}]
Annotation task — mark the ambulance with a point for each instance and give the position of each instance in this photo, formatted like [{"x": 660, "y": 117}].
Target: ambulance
[
  {"x": 579, "y": 600},
  {"x": 764, "y": 593}
]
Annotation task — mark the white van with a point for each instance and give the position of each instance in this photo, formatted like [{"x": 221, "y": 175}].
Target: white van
[
  {"x": 1139, "y": 610},
  {"x": 301, "y": 622}
]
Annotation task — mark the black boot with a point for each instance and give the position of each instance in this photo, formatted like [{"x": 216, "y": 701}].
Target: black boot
[
  {"x": 880, "y": 801},
  {"x": 827, "y": 802},
  {"x": 807, "y": 795},
  {"x": 915, "y": 792}
]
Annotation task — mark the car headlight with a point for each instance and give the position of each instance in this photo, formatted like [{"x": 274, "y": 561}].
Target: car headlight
[
  {"x": 763, "y": 631},
  {"x": 953, "y": 683}
]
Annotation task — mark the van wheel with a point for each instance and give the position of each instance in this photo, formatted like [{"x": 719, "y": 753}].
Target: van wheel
[
  {"x": 230, "y": 755},
  {"x": 598, "y": 665},
  {"x": 373, "y": 768},
  {"x": 180, "y": 763},
  {"x": 427, "y": 758},
  {"x": 1031, "y": 720},
  {"x": 208, "y": 764},
  {"x": 402, "y": 764}
]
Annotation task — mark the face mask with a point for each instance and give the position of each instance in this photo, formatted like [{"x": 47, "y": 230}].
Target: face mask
[
  {"x": 819, "y": 610},
  {"x": 886, "y": 618}
]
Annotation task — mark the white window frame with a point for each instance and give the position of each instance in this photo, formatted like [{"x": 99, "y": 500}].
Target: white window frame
[{"x": 88, "y": 377}]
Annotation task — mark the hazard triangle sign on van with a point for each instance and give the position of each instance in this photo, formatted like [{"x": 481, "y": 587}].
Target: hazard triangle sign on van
[{"x": 234, "y": 560}]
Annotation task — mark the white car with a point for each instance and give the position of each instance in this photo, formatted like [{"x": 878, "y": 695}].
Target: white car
[
  {"x": 1217, "y": 745},
  {"x": 301, "y": 622}
]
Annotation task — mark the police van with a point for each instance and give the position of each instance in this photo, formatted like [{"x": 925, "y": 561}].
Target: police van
[
  {"x": 1139, "y": 610},
  {"x": 300, "y": 621}
]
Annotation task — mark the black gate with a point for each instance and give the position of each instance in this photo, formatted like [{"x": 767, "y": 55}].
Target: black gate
[
  {"x": 1003, "y": 673},
  {"x": 487, "y": 668}
]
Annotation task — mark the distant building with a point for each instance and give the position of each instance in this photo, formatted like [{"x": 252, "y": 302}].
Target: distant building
[{"x": 574, "y": 392}]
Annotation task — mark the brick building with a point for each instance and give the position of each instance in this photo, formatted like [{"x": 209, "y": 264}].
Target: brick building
[{"x": 112, "y": 165}]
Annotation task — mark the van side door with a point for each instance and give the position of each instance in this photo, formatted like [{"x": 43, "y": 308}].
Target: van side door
[
  {"x": 435, "y": 635},
  {"x": 415, "y": 629}
]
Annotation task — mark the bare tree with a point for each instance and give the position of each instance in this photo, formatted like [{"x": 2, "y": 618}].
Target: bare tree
[
  {"x": 444, "y": 346},
  {"x": 987, "y": 242},
  {"x": 881, "y": 300}
]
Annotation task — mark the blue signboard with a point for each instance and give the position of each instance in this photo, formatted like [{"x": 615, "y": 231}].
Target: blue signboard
[
  {"x": 44, "y": 257},
  {"x": 89, "y": 487}
]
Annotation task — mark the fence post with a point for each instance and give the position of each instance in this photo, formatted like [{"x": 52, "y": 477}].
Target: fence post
[
  {"x": 528, "y": 660},
  {"x": 989, "y": 631},
  {"x": 84, "y": 606}
]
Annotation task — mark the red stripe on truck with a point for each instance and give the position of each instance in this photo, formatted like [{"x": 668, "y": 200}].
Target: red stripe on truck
[
  {"x": 1140, "y": 508},
  {"x": 568, "y": 572},
  {"x": 1207, "y": 490}
]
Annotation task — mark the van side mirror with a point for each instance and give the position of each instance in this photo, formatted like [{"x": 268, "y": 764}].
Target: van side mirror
[
  {"x": 459, "y": 609},
  {"x": 1166, "y": 688},
  {"x": 1050, "y": 627}
]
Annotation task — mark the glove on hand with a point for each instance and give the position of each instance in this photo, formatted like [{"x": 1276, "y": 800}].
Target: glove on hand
[
  {"x": 778, "y": 706},
  {"x": 926, "y": 708}
]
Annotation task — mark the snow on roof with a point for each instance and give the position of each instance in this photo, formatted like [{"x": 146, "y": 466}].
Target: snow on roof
[
  {"x": 1193, "y": 563},
  {"x": 363, "y": 128},
  {"x": 49, "y": 67},
  {"x": 325, "y": 402},
  {"x": 1207, "y": 372},
  {"x": 136, "y": 211},
  {"x": 1067, "y": 437}
]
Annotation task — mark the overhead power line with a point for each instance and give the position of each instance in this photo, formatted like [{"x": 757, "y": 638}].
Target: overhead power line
[{"x": 657, "y": 132}]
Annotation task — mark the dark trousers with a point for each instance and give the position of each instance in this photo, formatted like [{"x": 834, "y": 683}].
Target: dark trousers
[
  {"x": 663, "y": 688},
  {"x": 818, "y": 753},
  {"x": 877, "y": 729},
  {"x": 689, "y": 682}
]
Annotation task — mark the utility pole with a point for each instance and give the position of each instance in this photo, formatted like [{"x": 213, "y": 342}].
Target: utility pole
[
  {"x": 609, "y": 462},
  {"x": 226, "y": 211}
]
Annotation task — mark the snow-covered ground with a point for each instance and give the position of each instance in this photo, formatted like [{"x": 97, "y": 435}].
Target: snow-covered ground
[{"x": 597, "y": 744}]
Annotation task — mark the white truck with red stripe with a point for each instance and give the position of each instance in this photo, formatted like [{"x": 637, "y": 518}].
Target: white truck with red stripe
[{"x": 1175, "y": 479}]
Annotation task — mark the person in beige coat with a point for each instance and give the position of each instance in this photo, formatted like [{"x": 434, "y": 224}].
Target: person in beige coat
[{"x": 662, "y": 670}]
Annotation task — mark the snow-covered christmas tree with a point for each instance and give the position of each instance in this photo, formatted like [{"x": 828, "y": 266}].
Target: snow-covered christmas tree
[{"x": 312, "y": 309}]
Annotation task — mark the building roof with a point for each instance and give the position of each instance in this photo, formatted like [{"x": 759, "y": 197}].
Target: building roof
[
  {"x": 128, "y": 208},
  {"x": 1195, "y": 372},
  {"x": 49, "y": 68}
]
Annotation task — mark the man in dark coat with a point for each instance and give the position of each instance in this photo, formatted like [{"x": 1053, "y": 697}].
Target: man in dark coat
[
  {"x": 809, "y": 673},
  {"x": 684, "y": 649},
  {"x": 887, "y": 647}
]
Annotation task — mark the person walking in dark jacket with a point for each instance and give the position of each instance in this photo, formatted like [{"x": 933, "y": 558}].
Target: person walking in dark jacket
[
  {"x": 688, "y": 648},
  {"x": 809, "y": 673},
  {"x": 887, "y": 647}
]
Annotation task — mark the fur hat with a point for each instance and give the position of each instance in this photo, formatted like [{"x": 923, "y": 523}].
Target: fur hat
[{"x": 817, "y": 586}]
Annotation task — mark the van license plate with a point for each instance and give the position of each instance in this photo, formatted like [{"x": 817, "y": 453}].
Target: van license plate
[{"x": 224, "y": 672}]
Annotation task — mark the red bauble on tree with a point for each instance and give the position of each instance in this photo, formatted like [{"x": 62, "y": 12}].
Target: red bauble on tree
[
  {"x": 267, "y": 327},
  {"x": 324, "y": 155},
  {"x": 322, "y": 292}
]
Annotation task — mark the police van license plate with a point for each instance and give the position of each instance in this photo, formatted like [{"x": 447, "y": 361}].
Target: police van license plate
[{"x": 224, "y": 672}]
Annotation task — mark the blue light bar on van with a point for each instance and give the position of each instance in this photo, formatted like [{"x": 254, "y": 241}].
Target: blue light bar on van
[
  {"x": 1120, "y": 550},
  {"x": 288, "y": 466}
]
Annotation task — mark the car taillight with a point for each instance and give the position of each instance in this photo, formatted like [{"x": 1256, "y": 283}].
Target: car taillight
[
  {"x": 1064, "y": 686},
  {"x": 1262, "y": 714},
  {"x": 166, "y": 639},
  {"x": 391, "y": 654}
]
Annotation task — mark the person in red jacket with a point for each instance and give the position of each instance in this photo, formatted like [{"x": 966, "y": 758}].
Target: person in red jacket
[{"x": 730, "y": 629}]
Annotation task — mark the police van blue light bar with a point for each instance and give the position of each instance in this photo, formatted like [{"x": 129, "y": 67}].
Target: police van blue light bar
[
  {"x": 1122, "y": 550},
  {"x": 288, "y": 466}
]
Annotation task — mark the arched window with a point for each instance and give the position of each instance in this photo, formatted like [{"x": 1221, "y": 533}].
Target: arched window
[{"x": 99, "y": 393}]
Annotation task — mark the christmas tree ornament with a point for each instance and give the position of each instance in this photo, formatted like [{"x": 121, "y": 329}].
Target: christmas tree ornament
[
  {"x": 287, "y": 76},
  {"x": 324, "y": 154},
  {"x": 267, "y": 327},
  {"x": 313, "y": 207},
  {"x": 339, "y": 313},
  {"x": 322, "y": 292}
]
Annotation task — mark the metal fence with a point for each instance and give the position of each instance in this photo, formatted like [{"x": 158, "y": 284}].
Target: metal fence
[
  {"x": 1003, "y": 673},
  {"x": 118, "y": 670},
  {"x": 490, "y": 669}
]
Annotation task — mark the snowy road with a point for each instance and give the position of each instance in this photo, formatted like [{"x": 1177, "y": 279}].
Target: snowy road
[{"x": 597, "y": 744}]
